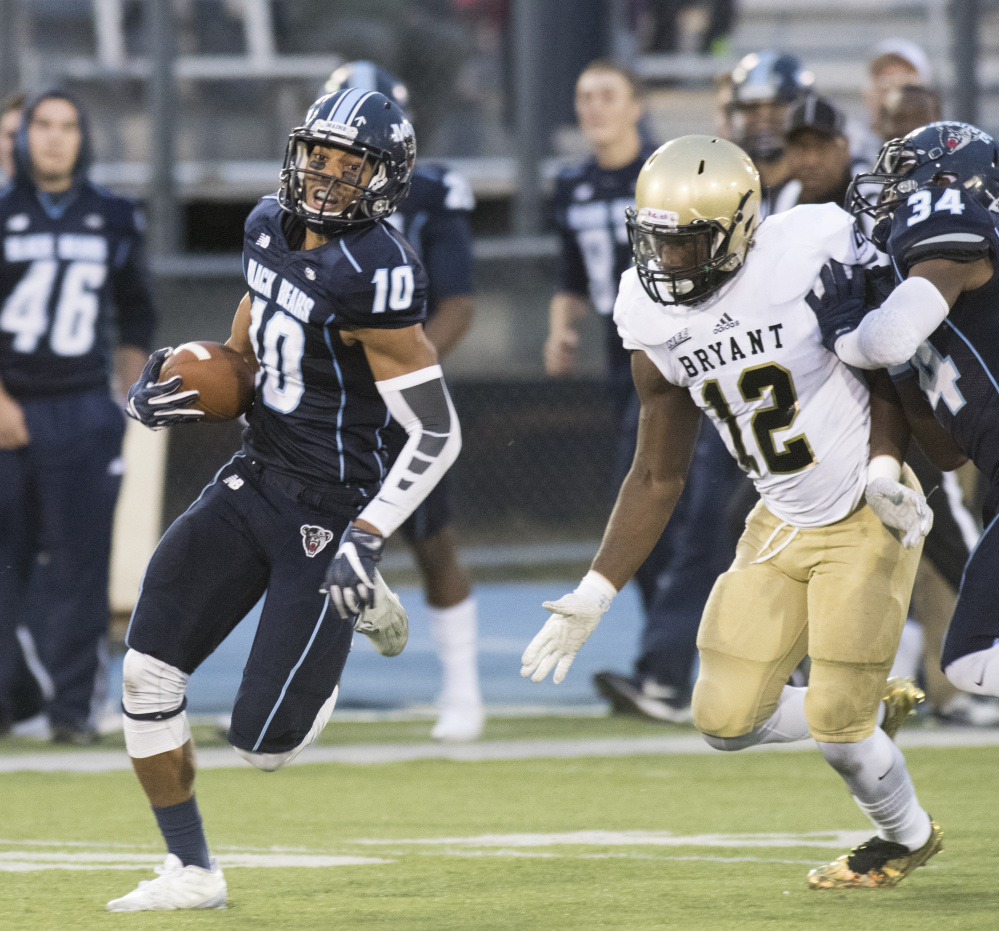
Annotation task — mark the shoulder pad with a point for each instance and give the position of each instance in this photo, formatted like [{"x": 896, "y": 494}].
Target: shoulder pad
[
  {"x": 266, "y": 210},
  {"x": 437, "y": 187},
  {"x": 641, "y": 321},
  {"x": 376, "y": 280},
  {"x": 941, "y": 224},
  {"x": 798, "y": 242}
]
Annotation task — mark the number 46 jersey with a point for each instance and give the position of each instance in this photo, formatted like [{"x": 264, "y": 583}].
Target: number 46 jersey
[
  {"x": 317, "y": 414},
  {"x": 72, "y": 274},
  {"x": 795, "y": 418}
]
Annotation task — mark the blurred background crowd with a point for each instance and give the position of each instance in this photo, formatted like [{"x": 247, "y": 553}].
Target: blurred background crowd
[{"x": 190, "y": 103}]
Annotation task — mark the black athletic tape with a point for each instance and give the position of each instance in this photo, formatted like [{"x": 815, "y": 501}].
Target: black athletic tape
[
  {"x": 418, "y": 466},
  {"x": 155, "y": 715},
  {"x": 428, "y": 401}
]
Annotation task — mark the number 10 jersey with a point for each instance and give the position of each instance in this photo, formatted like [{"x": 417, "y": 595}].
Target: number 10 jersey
[
  {"x": 317, "y": 415},
  {"x": 791, "y": 413}
]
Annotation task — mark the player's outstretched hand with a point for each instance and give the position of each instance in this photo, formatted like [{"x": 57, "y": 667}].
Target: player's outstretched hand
[
  {"x": 841, "y": 307},
  {"x": 159, "y": 404},
  {"x": 350, "y": 579},
  {"x": 901, "y": 508},
  {"x": 574, "y": 617}
]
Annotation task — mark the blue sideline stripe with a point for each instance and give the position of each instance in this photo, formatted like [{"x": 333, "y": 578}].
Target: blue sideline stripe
[{"x": 291, "y": 675}]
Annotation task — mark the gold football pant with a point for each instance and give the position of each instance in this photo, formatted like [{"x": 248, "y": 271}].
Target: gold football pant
[{"x": 838, "y": 593}]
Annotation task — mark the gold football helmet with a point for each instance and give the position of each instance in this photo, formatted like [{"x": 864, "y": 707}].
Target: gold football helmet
[{"x": 697, "y": 206}]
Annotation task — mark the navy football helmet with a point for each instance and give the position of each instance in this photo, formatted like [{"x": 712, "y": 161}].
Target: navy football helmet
[
  {"x": 370, "y": 77},
  {"x": 764, "y": 86},
  {"x": 363, "y": 124},
  {"x": 943, "y": 154}
]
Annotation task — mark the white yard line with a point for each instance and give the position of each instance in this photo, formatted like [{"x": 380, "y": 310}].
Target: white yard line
[
  {"x": 101, "y": 761},
  {"x": 574, "y": 845}
]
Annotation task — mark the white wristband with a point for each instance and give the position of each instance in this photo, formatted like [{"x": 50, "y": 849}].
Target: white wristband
[
  {"x": 884, "y": 467},
  {"x": 594, "y": 583}
]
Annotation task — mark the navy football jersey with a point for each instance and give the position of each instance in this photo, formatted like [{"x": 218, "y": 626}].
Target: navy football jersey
[
  {"x": 434, "y": 218},
  {"x": 958, "y": 365},
  {"x": 317, "y": 414},
  {"x": 70, "y": 273},
  {"x": 589, "y": 213}
]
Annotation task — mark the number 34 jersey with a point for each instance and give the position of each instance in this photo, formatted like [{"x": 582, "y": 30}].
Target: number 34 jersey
[
  {"x": 317, "y": 414},
  {"x": 795, "y": 418}
]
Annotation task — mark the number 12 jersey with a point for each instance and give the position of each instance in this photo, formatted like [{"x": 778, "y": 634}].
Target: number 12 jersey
[{"x": 795, "y": 417}]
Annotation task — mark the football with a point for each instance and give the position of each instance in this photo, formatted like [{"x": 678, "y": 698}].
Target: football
[{"x": 224, "y": 379}]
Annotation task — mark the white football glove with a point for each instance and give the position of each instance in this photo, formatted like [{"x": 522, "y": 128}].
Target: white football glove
[
  {"x": 575, "y": 617},
  {"x": 386, "y": 623},
  {"x": 901, "y": 508}
]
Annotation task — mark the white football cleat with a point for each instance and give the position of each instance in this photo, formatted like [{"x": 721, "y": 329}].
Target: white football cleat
[
  {"x": 176, "y": 886},
  {"x": 386, "y": 625},
  {"x": 459, "y": 723}
]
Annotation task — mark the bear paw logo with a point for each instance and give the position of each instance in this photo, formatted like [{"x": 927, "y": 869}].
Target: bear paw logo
[{"x": 314, "y": 539}]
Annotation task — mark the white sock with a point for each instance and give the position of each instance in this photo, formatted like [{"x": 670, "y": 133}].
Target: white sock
[
  {"x": 785, "y": 725},
  {"x": 788, "y": 722},
  {"x": 455, "y": 631},
  {"x": 875, "y": 773},
  {"x": 977, "y": 673},
  {"x": 910, "y": 650}
]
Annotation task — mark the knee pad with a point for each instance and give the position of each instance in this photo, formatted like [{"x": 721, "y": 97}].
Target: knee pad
[
  {"x": 977, "y": 673},
  {"x": 733, "y": 743},
  {"x": 152, "y": 705},
  {"x": 842, "y": 701},
  {"x": 269, "y": 762}
]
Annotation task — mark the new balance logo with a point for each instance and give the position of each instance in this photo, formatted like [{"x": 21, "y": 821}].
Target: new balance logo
[
  {"x": 726, "y": 323},
  {"x": 233, "y": 481},
  {"x": 263, "y": 240}
]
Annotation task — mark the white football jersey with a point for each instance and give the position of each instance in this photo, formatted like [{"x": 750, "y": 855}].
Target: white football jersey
[{"x": 791, "y": 413}]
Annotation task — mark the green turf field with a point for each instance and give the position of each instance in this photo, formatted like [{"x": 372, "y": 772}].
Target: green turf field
[{"x": 688, "y": 842}]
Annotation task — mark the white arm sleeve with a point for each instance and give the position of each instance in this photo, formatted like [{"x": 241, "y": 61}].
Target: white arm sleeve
[
  {"x": 891, "y": 333},
  {"x": 420, "y": 402}
]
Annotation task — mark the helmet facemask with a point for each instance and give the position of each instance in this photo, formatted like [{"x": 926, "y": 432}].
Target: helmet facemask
[
  {"x": 876, "y": 193},
  {"x": 330, "y": 185},
  {"x": 683, "y": 264}
]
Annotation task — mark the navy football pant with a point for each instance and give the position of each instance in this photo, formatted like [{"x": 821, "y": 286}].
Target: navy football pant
[
  {"x": 244, "y": 536},
  {"x": 975, "y": 625},
  {"x": 57, "y": 501}
]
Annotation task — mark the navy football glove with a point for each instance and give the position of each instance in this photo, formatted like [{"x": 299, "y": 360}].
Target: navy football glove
[
  {"x": 159, "y": 404},
  {"x": 350, "y": 579},
  {"x": 841, "y": 307}
]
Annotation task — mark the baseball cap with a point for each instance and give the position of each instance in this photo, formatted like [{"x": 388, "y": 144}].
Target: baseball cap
[
  {"x": 817, "y": 114},
  {"x": 907, "y": 51}
]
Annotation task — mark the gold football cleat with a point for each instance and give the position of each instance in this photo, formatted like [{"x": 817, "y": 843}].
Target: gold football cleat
[
  {"x": 875, "y": 864},
  {"x": 900, "y": 698}
]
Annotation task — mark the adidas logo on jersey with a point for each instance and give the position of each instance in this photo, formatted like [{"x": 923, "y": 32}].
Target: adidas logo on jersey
[
  {"x": 233, "y": 481},
  {"x": 263, "y": 240},
  {"x": 726, "y": 323}
]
